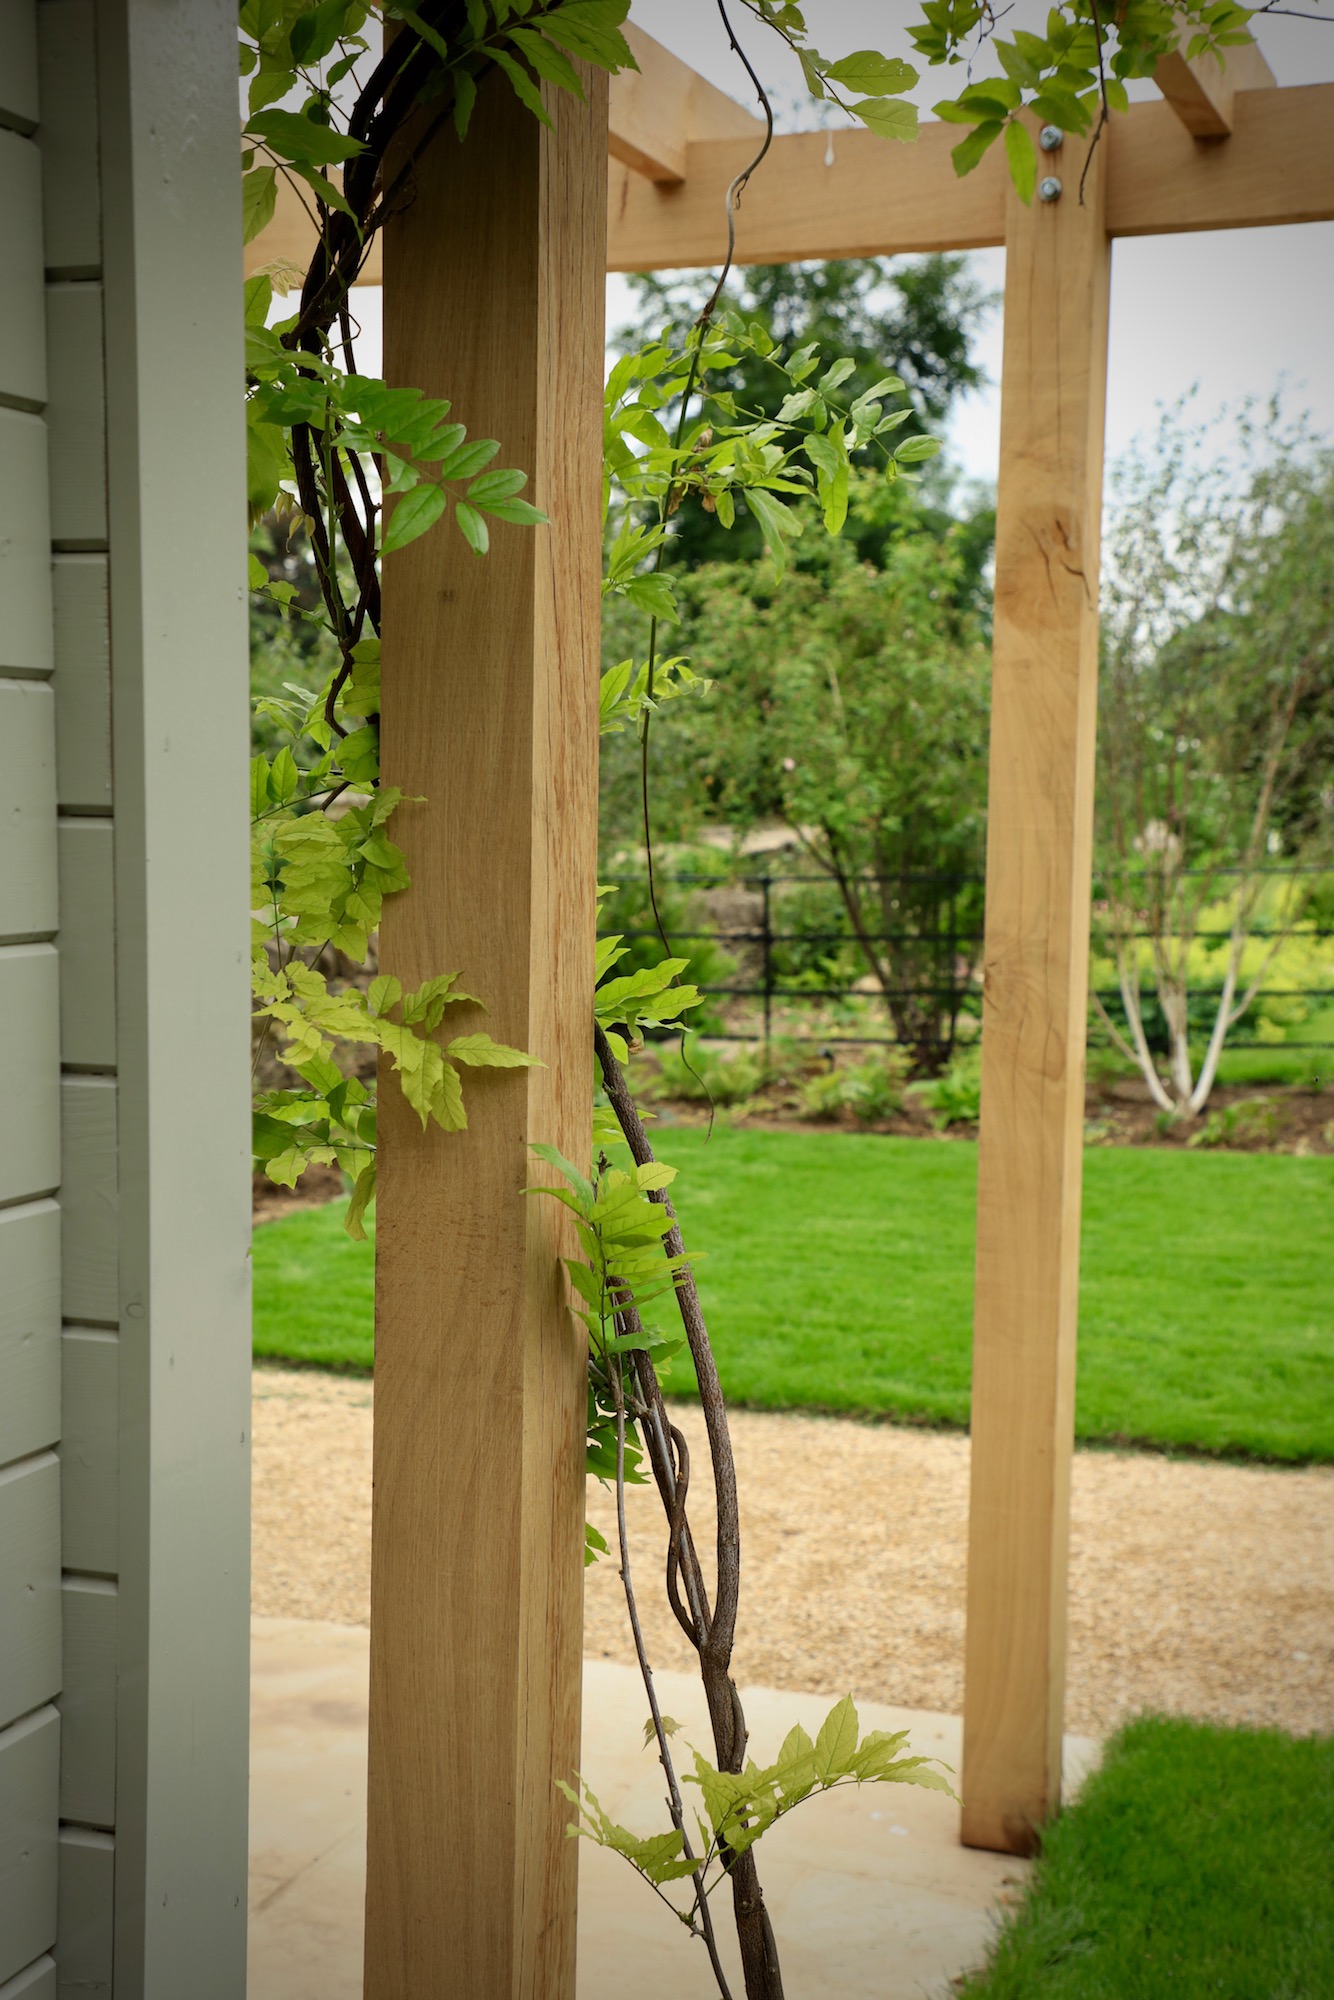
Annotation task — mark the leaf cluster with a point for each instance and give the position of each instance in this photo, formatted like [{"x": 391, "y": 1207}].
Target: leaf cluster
[{"x": 740, "y": 1807}]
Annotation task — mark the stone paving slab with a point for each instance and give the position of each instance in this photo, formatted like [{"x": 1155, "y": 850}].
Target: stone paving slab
[{"x": 871, "y": 1895}]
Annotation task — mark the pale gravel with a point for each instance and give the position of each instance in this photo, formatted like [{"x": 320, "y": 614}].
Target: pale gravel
[{"x": 1195, "y": 1588}]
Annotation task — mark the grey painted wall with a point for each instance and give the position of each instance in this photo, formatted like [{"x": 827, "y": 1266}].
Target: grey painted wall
[{"x": 124, "y": 1276}]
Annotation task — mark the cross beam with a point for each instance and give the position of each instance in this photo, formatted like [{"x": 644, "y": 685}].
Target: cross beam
[{"x": 878, "y": 199}]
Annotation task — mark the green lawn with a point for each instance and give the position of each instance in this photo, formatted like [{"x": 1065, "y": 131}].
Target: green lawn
[
  {"x": 838, "y": 1275},
  {"x": 1199, "y": 1863}
]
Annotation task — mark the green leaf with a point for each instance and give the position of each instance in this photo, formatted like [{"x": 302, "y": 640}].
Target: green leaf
[
  {"x": 259, "y": 784},
  {"x": 914, "y": 449},
  {"x": 1022, "y": 155},
  {"x": 836, "y": 1744},
  {"x": 473, "y": 527},
  {"x": 873, "y": 75},
  {"x": 777, "y": 523},
  {"x": 384, "y": 993},
  {"x": 259, "y": 198},
  {"x": 480, "y": 1052},
  {"x": 970, "y": 150},
  {"x": 413, "y": 514},
  {"x": 284, "y": 779},
  {"x": 363, "y": 1194},
  {"x": 299, "y": 139},
  {"x": 525, "y": 89},
  {"x": 547, "y": 60}
]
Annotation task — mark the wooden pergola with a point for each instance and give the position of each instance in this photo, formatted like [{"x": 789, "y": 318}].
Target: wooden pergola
[{"x": 494, "y": 297}]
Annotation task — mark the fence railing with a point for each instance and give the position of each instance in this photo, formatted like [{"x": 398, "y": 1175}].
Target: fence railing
[{"x": 947, "y": 955}]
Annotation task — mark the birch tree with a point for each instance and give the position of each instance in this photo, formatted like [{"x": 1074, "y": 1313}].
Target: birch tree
[{"x": 1218, "y": 606}]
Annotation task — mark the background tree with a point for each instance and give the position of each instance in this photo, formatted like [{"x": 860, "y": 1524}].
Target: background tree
[
  {"x": 1214, "y": 793},
  {"x": 917, "y": 318},
  {"x": 850, "y": 703}
]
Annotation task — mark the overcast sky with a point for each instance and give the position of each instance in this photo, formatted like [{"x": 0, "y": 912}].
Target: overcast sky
[{"x": 1236, "y": 311}]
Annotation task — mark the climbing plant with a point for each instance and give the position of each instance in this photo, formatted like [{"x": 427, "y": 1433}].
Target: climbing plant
[{"x": 364, "y": 469}]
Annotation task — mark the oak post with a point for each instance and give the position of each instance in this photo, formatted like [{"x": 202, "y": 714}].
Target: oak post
[
  {"x": 494, "y": 299},
  {"x": 1039, "y": 861}
]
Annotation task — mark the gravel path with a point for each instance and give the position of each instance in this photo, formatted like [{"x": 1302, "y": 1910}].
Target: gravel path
[{"x": 1197, "y": 1588}]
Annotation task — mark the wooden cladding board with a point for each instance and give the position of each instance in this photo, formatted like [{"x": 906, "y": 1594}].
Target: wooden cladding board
[
  {"x": 29, "y": 1585},
  {"x": 82, "y": 683},
  {"x": 29, "y": 1071},
  {"x": 18, "y": 64},
  {"x": 1035, "y": 1000},
  {"x": 25, "y": 550},
  {"x": 76, "y": 415},
  {"x": 88, "y": 1200},
  {"x": 28, "y": 880},
  {"x": 85, "y": 1934},
  {"x": 29, "y": 1329},
  {"x": 36, "y": 1982},
  {"x": 71, "y": 205},
  {"x": 88, "y": 1702},
  {"x": 87, "y": 944},
  {"x": 90, "y": 1379},
  {"x": 29, "y": 1792},
  {"x": 22, "y": 328}
]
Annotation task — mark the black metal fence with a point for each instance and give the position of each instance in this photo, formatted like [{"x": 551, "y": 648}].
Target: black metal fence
[{"x": 934, "y": 968}]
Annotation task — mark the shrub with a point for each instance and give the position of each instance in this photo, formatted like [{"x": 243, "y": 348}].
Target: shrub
[
  {"x": 872, "y": 1090},
  {"x": 955, "y": 1096}
]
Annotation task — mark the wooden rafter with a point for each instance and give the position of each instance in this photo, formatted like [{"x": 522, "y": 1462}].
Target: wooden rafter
[
  {"x": 1201, "y": 89},
  {"x": 657, "y": 115}
]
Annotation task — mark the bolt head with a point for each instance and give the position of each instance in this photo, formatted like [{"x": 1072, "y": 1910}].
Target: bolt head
[
  {"x": 1049, "y": 189},
  {"x": 1050, "y": 138}
]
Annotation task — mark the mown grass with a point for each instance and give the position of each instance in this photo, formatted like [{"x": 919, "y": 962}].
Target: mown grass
[
  {"x": 837, "y": 1272},
  {"x": 1198, "y": 1863}
]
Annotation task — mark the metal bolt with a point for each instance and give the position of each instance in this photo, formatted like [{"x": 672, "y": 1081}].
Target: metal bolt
[
  {"x": 1050, "y": 138},
  {"x": 1050, "y": 189}
]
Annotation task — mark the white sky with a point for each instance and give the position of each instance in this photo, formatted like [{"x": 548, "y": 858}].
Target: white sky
[{"x": 1237, "y": 311}]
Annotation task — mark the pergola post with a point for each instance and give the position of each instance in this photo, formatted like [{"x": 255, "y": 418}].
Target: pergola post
[
  {"x": 493, "y": 298},
  {"x": 1035, "y": 998}
]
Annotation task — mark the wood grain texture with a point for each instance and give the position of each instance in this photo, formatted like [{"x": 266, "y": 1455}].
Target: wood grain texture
[
  {"x": 841, "y": 194},
  {"x": 82, "y": 683},
  {"x": 25, "y": 545},
  {"x": 87, "y": 943},
  {"x": 22, "y": 322},
  {"x": 657, "y": 112},
  {"x": 85, "y": 1938},
  {"x": 29, "y": 1329},
  {"x": 71, "y": 197},
  {"x": 1039, "y": 860},
  {"x": 29, "y": 1071},
  {"x": 1277, "y": 166},
  {"x": 1200, "y": 90},
  {"x": 494, "y": 296},
  {"x": 29, "y": 1789},
  {"x": 89, "y": 1200},
  {"x": 89, "y": 1448},
  {"x": 28, "y": 881},
  {"x": 75, "y": 415},
  {"x": 88, "y": 1702},
  {"x": 29, "y": 1585}
]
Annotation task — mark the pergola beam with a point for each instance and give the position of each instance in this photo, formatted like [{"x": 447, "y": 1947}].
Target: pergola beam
[
  {"x": 657, "y": 114},
  {"x": 1201, "y": 90},
  {"x": 855, "y": 195},
  {"x": 851, "y": 194}
]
